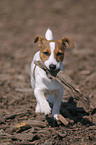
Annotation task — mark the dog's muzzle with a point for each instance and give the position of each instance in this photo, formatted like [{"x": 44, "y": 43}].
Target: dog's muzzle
[
  {"x": 53, "y": 71},
  {"x": 52, "y": 67}
]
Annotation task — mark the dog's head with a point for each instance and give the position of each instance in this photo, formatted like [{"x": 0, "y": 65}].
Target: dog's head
[{"x": 52, "y": 51}]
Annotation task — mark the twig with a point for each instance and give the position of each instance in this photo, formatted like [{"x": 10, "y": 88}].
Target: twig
[{"x": 62, "y": 119}]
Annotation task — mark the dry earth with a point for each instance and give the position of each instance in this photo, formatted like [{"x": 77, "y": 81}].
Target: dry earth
[{"x": 20, "y": 21}]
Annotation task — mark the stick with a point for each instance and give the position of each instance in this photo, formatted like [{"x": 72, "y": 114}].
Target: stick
[
  {"x": 62, "y": 119},
  {"x": 65, "y": 80}
]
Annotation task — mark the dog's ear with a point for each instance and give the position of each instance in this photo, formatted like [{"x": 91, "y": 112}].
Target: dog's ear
[
  {"x": 66, "y": 39},
  {"x": 40, "y": 39}
]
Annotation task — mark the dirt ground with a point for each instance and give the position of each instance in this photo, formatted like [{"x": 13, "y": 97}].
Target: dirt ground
[{"x": 20, "y": 21}]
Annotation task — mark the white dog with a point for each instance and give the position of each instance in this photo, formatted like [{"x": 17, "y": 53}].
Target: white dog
[{"x": 52, "y": 54}]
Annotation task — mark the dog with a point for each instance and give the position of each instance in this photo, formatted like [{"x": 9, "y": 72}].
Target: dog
[{"x": 52, "y": 54}]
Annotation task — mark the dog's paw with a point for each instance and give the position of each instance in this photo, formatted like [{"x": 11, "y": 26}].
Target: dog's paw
[
  {"x": 45, "y": 108},
  {"x": 37, "y": 109},
  {"x": 55, "y": 116}
]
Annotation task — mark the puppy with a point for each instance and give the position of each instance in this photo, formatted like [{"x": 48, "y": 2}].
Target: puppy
[{"x": 52, "y": 54}]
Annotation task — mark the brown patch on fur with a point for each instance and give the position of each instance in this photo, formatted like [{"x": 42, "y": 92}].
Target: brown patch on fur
[
  {"x": 59, "y": 51},
  {"x": 60, "y": 46},
  {"x": 41, "y": 40},
  {"x": 66, "y": 39},
  {"x": 45, "y": 53},
  {"x": 44, "y": 47}
]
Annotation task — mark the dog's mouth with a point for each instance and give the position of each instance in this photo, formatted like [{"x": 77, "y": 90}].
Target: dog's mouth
[{"x": 53, "y": 73}]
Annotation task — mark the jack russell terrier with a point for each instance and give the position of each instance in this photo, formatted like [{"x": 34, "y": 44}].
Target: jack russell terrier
[{"x": 52, "y": 54}]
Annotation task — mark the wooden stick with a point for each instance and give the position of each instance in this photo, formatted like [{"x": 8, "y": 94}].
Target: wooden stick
[
  {"x": 65, "y": 80},
  {"x": 62, "y": 119}
]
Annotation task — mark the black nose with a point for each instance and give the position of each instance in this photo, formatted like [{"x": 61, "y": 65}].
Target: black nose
[{"x": 52, "y": 67}]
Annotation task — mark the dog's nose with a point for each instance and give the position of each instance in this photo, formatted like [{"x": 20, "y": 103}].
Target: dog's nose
[{"x": 52, "y": 67}]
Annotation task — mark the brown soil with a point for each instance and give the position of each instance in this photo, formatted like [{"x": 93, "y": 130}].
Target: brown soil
[{"x": 20, "y": 21}]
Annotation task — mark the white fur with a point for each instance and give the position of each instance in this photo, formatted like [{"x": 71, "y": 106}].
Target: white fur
[
  {"x": 51, "y": 59},
  {"x": 42, "y": 85},
  {"x": 48, "y": 34}
]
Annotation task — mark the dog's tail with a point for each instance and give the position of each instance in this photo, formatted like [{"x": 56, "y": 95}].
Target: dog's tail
[{"x": 49, "y": 34}]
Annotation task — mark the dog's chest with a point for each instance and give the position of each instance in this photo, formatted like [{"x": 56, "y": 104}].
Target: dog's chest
[
  {"x": 51, "y": 86},
  {"x": 48, "y": 83}
]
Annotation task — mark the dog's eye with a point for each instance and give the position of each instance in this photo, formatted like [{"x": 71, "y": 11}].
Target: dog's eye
[
  {"x": 59, "y": 54},
  {"x": 46, "y": 53}
]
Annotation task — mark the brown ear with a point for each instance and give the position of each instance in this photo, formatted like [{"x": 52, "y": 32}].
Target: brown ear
[
  {"x": 66, "y": 39},
  {"x": 40, "y": 39}
]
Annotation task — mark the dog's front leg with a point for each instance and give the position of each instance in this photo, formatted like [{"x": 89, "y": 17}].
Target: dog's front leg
[
  {"x": 57, "y": 103},
  {"x": 42, "y": 104}
]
